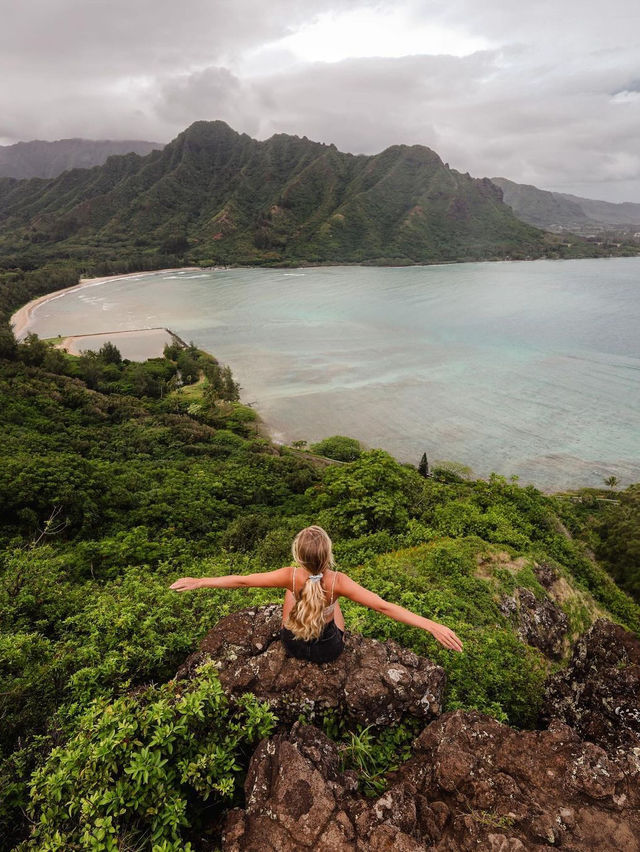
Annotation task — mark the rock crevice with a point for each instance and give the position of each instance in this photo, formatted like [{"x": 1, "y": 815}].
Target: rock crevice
[{"x": 598, "y": 694}]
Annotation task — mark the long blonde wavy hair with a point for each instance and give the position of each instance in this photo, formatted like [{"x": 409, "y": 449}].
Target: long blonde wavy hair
[{"x": 311, "y": 549}]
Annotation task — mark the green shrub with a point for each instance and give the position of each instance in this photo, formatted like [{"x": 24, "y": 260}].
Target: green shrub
[
  {"x": 451, "y": 471},
  {"x": 338, "y": 447},
  {"x": 496, "y": 673},
  {"x": 141, "y": 770},
  {"x": 618, "y": 530},
  {"x": 371, "y": 494},
  {"x": 375, "y": 752},
  {"x": 244, "y": 533}
]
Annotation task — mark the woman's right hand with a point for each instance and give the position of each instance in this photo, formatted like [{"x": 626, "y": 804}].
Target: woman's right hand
[{"x": 446, "y": 637}]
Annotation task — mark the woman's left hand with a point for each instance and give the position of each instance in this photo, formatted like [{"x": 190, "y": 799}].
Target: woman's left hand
[{"x": 185, "y": 584}]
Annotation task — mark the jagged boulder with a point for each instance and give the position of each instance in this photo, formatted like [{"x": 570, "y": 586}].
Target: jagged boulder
[
  {"x": 293, "y": 794},
  {"x": 373, "y": 682},
  {"x": 598, "y": 694},
  {"x": 472, "y": 783},
  {"x": 540, "y": 623}
]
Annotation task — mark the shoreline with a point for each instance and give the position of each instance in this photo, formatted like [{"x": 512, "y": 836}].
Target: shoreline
[{"x": 20, "y": 319}]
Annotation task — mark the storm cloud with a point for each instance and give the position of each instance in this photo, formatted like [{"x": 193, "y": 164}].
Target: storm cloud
[{"x": 542, "y": 93}]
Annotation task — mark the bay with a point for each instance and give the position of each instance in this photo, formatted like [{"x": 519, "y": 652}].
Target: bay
[{"x": 529, "y": 369}]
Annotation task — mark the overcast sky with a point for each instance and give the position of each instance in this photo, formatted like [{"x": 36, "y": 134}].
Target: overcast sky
[{"x": 545, "y": 93}]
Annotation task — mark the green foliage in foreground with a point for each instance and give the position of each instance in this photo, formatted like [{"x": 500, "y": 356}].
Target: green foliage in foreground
[
  {"x": 109, "y": 495},
  {"x": 618, "y": 544},
  {"x": 142, "y": 769},
  {"x": 373, "y": 753},
  {"x": 496, "y": 673}
]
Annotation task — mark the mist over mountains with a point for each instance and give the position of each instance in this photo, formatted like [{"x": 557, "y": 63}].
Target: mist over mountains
[
  {"x": 555, "y": 210},
  {"x": 49, "y": 159}
]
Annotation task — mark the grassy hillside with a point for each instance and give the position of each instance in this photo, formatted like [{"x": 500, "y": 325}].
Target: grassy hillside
[{"x": 114, "y": 482}]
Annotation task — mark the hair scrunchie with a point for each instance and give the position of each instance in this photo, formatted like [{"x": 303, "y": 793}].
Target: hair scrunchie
[{"x": 315, "y": 577}]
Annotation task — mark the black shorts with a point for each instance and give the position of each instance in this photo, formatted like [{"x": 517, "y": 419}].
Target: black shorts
[{"x": 327, "y": 647}]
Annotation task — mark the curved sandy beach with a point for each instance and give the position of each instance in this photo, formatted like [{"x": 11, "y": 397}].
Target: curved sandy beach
[{"x": 21, "y": 318}]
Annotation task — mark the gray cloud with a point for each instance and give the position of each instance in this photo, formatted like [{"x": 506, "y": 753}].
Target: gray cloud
[{"x": 552, "y": 101}]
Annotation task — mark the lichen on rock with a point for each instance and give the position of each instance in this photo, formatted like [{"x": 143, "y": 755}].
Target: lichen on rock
[
  {"x": 598, "y": 694},
  {"x": 540, "y": 623},
  {"x": 472, "y": 783}
]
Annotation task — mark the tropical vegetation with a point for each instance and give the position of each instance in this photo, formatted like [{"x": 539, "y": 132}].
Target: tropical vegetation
[{"x": 115, "y": 479}]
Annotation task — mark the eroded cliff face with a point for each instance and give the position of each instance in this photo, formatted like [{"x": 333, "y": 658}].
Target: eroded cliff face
[
  {"x": 598, "y": 694},
  {"x": 471, "y": 783}
]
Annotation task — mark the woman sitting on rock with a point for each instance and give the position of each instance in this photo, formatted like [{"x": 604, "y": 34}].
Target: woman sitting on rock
[{"x": 312, "y": 629}]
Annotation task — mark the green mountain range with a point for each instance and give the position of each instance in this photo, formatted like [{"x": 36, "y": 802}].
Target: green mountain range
[{"x": 216, "y": 196}]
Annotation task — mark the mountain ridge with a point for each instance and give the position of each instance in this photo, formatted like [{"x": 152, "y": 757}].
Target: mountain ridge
[
  {"x": 546, "y": 209},
  {"x": 216, "y": 195},
  {"x": 41, "y": 158}
]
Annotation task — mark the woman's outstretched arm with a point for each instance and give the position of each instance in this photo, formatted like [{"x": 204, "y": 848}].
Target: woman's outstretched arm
[
  {"x": 265, "y": 579},
  {"x": 352, "y": 590}
]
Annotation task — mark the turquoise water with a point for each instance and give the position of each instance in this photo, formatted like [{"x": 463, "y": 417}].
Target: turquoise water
[{"x": 528, "y": 368}]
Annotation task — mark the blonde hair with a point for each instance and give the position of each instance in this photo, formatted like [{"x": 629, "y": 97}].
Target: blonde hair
[{"x": 311, "y": 549}]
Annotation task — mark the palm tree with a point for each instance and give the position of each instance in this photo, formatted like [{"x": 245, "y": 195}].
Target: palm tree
[{"x": 611, "y": 481}]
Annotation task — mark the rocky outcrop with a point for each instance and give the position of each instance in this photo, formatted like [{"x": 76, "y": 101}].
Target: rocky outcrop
[
  {"x": 372, "y": 682},
  {"x": 472, "y": 783},
  {"x": 546, "y": 574},
  {"x": 540, "y": 623},
  {"x": 598, "y": 694}
]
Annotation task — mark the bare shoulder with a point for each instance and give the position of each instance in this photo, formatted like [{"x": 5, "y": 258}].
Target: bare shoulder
[{"x": 337, "y": 579}]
